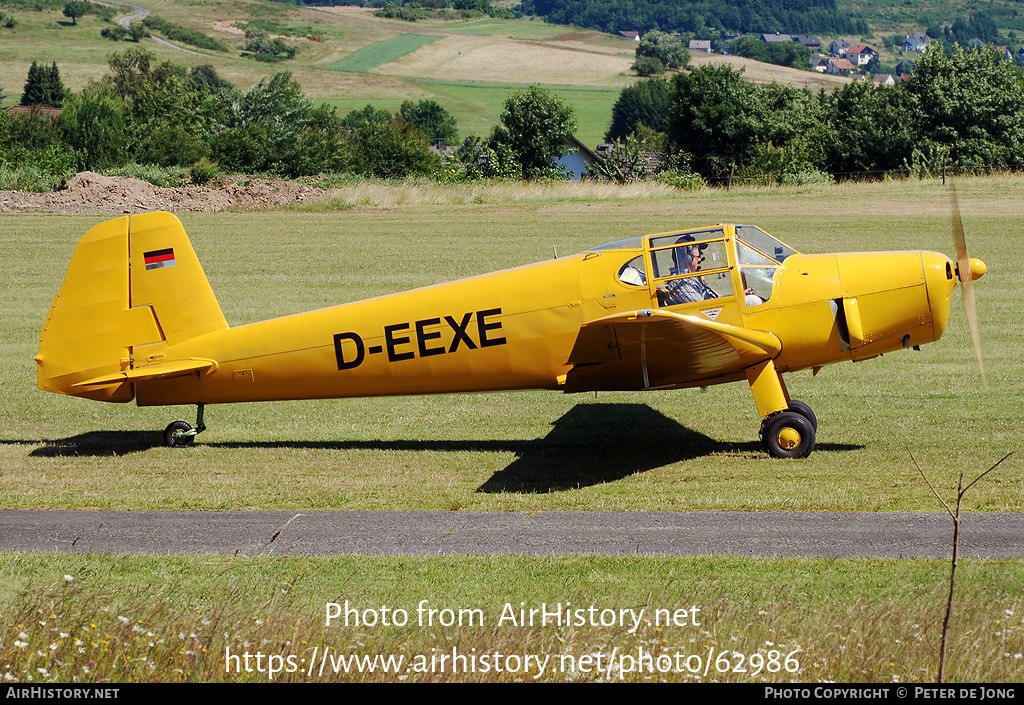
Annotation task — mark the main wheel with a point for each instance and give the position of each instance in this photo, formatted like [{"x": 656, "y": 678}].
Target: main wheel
[
  {"x": 800, "y": 408},
  {"x": 174, "y": 435},
  {"x": 789, "y": 435}
]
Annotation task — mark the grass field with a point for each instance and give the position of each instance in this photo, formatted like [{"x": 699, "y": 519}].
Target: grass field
[
  {"x": 700, "y": 452},
  {"x": 478, "y": 106},
  {"x": 113, "y": 618},
  {"x": 145, "y": 618}
]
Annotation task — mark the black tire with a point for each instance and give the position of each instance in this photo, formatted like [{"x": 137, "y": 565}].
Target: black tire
[
  {"x": 798, "y": 407},
  {"x": 173, "y": 435},
  {"x": 789, "y": 435}
]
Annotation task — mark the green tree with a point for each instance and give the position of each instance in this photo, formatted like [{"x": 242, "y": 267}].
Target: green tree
[
  {"x": 168, "y": 120},
  {"x": 536, "y": 126},
  {"x": 392, "y": 149},
  {"x": 35, "y": 139},
  {"x": 43, "y": 86},
  {"x": 75, "y": 9},
  {"x": 646, "y": 66},
  {"x": 205, "y": 79},
  {"x": 359, "y": 117},
  {"x": 719, "y": 120},
  {"x": 259, "y": 44},
  {"x": 115, "y": 33},
  {"x": 709, "y": 119},
  {"x": 436, "y": 122},
  {"x": 970, "y": 104},
  {"x": 871, "y": 129},
  {"x": 665, "y": 48},
  {"x": 274, "y": 127},
  {"x": 137, "y": 32},
  {"x": 643, "y": 103},
  {"x": 94, "y": 124},
  {"x": 792, "y": 54}
]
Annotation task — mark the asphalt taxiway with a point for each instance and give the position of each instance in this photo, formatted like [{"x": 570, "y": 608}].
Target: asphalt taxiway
[{"x": 390, "y": 533}]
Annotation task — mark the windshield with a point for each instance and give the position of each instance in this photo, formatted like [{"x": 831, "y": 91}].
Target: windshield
[
  {"x": 764, "y": 243},
  {"x": 633, "y": 243},
  {"x": 757, "y": 272}
]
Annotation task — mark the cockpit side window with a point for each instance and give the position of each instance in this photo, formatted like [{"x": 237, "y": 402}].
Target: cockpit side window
[
  {"x": 632, "y": 272},
  {"x": 675, "y": 260},
  {"x": 688, "y": 270}
]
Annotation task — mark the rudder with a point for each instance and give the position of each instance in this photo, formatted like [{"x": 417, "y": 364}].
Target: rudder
[{"x": 134, "y": 287}]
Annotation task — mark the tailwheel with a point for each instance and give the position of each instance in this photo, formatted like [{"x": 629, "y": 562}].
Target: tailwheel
[
  {"x": 788, "y": 434},
  {"x": 179, "y": 434}
]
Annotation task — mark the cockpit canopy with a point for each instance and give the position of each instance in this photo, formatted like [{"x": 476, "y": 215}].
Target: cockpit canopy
[{"x": 704, "y": 264}]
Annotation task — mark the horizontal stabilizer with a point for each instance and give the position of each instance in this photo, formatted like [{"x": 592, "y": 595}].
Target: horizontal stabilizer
[
  {"x": 163, "y": 370},
  {"x": 654, "y": 348}
]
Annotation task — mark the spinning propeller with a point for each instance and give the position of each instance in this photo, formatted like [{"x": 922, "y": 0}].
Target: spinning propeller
[{"x": 967, "y": 270}]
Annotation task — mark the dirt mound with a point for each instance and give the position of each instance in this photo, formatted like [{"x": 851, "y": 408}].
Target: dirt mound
[{"x": 89, "y": 192}]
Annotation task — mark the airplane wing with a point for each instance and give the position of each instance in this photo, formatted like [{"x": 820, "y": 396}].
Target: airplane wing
[
  {"x": 161, "y": 370},
  {"x": 653, "y": 348}
]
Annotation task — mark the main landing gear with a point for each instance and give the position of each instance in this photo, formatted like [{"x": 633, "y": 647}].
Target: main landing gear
[
  {"x": 179, "y": 434},
  {"x": 788, "y": 426},
  {"x": 790, "y": 433}
]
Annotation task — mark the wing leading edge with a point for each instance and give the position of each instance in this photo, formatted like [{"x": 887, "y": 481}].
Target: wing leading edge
[{"x": 654, "y": 348}]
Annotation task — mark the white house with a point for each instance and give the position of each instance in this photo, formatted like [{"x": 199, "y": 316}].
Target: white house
[
  {"x": 916, "y": 42},
  {"x": 578, "y": 158},
  {"x": 860, "y": 54}
]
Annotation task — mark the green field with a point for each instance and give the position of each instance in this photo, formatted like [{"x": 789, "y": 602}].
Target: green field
[
  {"x": 532, "y": 29},
  {"x": 478, "y": 106},
  {"x": 913, "y": 16},
  {"x": 352, "y": 50},
  {"x": 146, "y": 618},
  {"x": 700, "y": 451}
]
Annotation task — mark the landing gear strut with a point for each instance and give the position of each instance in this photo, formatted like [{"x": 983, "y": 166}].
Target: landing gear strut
[
  {"x": 788, "y": 426},
  {"x": 180, "y": 434}
]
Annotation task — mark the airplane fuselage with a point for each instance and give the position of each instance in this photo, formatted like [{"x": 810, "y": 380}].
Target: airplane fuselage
[{"x": 506, "y": 330}]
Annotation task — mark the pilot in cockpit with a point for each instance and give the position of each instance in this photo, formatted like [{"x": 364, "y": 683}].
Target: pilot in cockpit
[{"x": 688, "y": 259}]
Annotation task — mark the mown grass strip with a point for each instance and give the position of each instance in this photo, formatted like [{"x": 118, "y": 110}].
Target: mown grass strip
[{"x": 384, "y": 52}]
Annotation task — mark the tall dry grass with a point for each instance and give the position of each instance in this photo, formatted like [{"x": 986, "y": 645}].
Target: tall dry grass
[
  {"x": 417, "y": 192},
  {"x": 76, "y": 630}
]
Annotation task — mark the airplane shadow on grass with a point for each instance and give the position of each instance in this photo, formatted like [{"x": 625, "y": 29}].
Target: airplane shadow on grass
[
  {"x": 593, "y": 444},
  {"x": 590, "y": 444}
]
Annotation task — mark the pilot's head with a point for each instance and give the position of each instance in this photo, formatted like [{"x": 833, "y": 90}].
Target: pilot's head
[{"x": 689, "y": 257}]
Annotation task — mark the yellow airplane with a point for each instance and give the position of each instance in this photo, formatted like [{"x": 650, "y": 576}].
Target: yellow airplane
[{"x": 136, "y": 318}]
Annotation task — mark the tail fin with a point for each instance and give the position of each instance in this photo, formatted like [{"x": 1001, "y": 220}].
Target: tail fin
[{"x": 133, "y": 281}]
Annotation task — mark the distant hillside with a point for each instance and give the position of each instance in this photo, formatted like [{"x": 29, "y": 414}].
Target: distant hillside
[
  {"x": 790, "y": 16},
  {"x": 886, "y": 16},
  {"x": 833, "y": 18}
]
